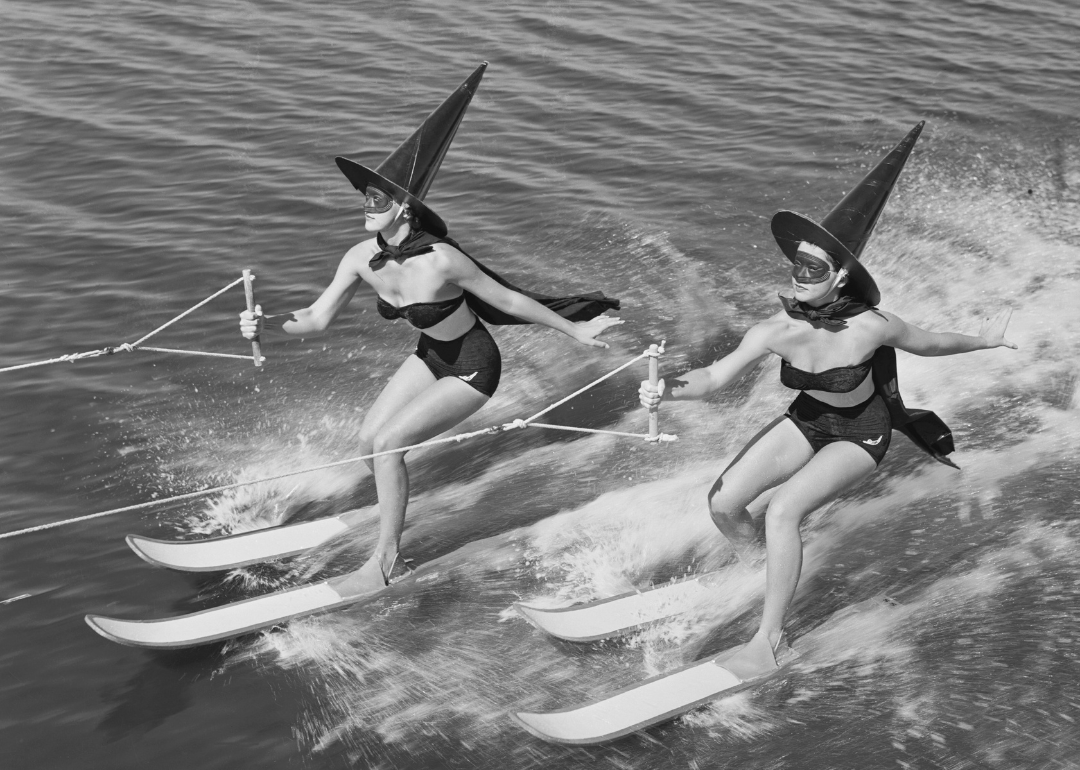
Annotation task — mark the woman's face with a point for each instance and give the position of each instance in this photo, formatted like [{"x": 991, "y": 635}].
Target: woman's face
[
  {"x": 815, "y": 274},
  {"x": 380, "y": 210}
]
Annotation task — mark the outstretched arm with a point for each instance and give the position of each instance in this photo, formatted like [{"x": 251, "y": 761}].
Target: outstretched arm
[
  {"x": 699, "y": 383},
  {"x": 462, "y": 271},
  {"x": 312, "y": 320},
  {"x": 912, "y": 339}
]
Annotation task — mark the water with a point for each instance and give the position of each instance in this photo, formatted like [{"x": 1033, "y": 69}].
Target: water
[{"x": 151, "y": 151}]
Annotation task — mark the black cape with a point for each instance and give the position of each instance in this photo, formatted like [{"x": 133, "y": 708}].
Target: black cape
[
  {"x": 581, "y": 307},
  {"x": 928, "y": 431}
]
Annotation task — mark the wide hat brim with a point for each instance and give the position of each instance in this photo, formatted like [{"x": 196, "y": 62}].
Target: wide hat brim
[
  {"x": 362, "y": 176},
  {"x": 790, "y": 228}
]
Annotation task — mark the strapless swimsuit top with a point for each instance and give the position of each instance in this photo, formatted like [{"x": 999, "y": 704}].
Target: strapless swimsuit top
[
  {"x": 842, "y": 379},
  {"x": 422, "y": 315}
]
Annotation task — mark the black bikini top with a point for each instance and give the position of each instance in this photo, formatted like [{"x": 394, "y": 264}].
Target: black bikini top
[
  {"x": 422, "y": 315},
  {"x": 842, "y": 379},
  {"x": 580, "y": 307}
]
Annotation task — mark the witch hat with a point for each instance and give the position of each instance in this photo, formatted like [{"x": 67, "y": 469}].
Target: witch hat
[
  {"x": 846, "y": 229},
  {"x": 409, "y": 171}
]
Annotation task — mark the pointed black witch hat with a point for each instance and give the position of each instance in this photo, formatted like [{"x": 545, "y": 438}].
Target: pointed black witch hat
[
  {"x": 407, "y": 174},
  {"x": 846, "y": 229}
]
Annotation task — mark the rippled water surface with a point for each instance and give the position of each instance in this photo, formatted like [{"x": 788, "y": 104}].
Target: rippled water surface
[{"x": 151, "y": 151}]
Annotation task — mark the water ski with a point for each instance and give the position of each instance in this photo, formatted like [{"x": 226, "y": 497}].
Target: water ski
[
  {"x": 221, "y": 553},
  {"x": 238, "y": 618},
  {"x": 620, "y": 614},
  {"x": 660, "y": 698}
]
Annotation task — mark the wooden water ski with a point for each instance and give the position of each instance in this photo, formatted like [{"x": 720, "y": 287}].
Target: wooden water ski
[
  {"x": 229, "y": 551},
  {"x": 220, "y": 622},
  {"x": 238, "y": 618},
  {"x": 620, "y": 614},
  {"x": 636, "y": 707},
  {"x": 660, "y": 698}
]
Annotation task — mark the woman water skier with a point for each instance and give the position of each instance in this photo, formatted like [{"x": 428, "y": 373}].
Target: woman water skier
[
  {"x": 421, "y": 275},
  {"x": 836, "y": 347}
]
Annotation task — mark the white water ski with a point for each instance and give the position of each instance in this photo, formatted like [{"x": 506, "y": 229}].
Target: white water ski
[
  {"x": 229, "y": 551},
  {"x": 620, "y": 614},
  {"x": 658, "y": 699},
  {"x": 238, "y": 618}
]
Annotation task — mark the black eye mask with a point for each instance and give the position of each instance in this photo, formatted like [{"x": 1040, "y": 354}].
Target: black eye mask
[
  {"x": 376, "y": 201},
  {"x": 806, "y": 268}
]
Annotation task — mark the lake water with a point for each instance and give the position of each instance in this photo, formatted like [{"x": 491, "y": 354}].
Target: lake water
[{"x": 151, "y": 151}]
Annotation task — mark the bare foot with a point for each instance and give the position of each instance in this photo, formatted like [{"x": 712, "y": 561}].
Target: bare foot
[
  {"x": 751, "y": 661},
  {"x": 366, "y": 580}
]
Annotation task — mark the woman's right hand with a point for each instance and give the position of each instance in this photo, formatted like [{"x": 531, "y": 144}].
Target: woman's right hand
[
  {"x": 586, "y": 332},
  {"x": 651, "y": 395},
  {"x": 993, "y": 330},
  {"x": 251, "y": 324}
]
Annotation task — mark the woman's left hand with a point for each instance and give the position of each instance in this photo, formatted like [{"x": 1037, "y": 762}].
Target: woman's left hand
[
  {"x": 993, "y": 330},
  {"x": 586, "y": 332}
]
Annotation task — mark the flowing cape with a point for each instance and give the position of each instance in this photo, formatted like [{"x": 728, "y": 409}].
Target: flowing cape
[
  {"x": 581, "y": 307},
  {"x": 928, "y": 431}
]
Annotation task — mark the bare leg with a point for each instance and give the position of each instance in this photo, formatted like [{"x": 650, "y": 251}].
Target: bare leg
[
  {"x": 410, "y": 380},
  {"x": 834, "y": 469},
  {"x": 437, "y": 408},
  {"x": 768, "y": 459}
]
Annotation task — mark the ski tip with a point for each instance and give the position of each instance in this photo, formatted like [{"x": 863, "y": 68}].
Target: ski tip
[
  {"x": 535, "y": 617},
  {"x": 521, "y": 609},
  {"x": 530, "y": 614},
  {"x": 135, "y": 542},
  {"x": 120, "y": 631},
  {"x": 553, "y": 623},
  {"x": 546, "y": 727},
  {"x": 170, "y": 554},
  {"x": 530, "y": 722},
  {"x": 523, "y": 720},
  {"x": 100, "y": 624}
]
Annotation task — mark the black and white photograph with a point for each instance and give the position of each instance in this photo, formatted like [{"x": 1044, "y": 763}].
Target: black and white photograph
[{"x": 540, "y": 385}]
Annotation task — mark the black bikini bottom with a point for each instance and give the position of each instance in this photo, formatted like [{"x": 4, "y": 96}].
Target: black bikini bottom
[
  {"x": 867, "y": 425},
  {"x": 473, "y": 358}
]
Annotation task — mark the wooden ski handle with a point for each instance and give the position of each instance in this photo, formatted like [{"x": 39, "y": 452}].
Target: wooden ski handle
[
  {"x": 249, "y": 295},
  {"x": 654, "y": 379}
]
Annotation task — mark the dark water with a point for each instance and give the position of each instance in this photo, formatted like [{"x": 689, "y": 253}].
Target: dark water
[{"x": 150, "y": 151}]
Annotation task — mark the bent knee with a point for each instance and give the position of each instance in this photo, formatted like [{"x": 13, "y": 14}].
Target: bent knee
[
  {"x": 783, "y": 514},
  {"x": 722, "y": 507},
  {"x": 366, "y": 439},
  {"x": 387, "y": 440}
]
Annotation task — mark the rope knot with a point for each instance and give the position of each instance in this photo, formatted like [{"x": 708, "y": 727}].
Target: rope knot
[{"x": 659, "y": 351}]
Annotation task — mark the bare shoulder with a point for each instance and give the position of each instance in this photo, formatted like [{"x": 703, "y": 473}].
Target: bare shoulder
[
  {"x": 356, "y": 259},
  {"x": 778, "y": 321},
  {"x": 765, "y": 334},
  {"x": 362, "y": 251},
  {"x": 448, "y": 260},
  {"x": 882, "y": 324},
  {"x": 777, "y": 325},
  {"x": 878, "y": 327}
]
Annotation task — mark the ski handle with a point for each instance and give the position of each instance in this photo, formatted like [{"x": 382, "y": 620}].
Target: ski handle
[{"x": 249, "y": 295}]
